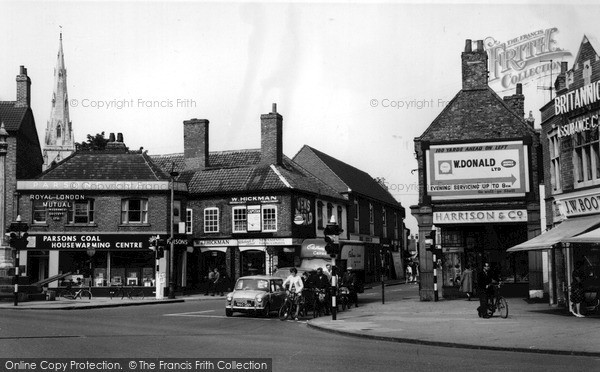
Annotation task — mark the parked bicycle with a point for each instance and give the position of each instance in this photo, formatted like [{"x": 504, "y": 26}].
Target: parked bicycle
[
  {"x": 131, "y": 293},
  {"x": 288, "y": 309},
  {"x": 71, "y": 294},
  {"x": 497, "y": 303}
]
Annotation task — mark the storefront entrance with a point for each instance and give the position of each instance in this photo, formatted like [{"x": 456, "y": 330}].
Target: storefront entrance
[{"x": 252, "y": 262}]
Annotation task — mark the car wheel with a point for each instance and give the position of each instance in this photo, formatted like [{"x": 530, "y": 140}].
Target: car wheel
[{"x": 228, "y": 312}]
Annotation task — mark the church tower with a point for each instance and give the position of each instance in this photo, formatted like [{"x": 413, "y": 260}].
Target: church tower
[{"x": 59, "y": 142}]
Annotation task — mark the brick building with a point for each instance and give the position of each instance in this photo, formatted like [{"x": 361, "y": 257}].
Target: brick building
[
  {"x": 23, "y": 157},
  {"x": 93, "y": 214},
  {"x": 252, "y": 210},
  {"x": 376, "y": 219},
  {"x": 572, "y": 167},
  {"x": 478, "y": 186}
]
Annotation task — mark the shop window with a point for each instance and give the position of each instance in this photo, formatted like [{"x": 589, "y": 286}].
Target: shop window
[
  {"x": 134, "y": 211},
  {"x": 320, "y": 215},
  {"x": 211, "y": 220},
  {"x": 81, "y": 212},
  {"x": 189, "y": 219},
  {"x": 39, "y": 212},
  {"x": 240, "y": 220},
  {"x": 269, "y": 218}
]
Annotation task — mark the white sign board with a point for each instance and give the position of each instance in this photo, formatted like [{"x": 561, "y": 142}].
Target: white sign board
[
  {"x": 477, "y": 170},
  {"x": 253, "y": 215}
]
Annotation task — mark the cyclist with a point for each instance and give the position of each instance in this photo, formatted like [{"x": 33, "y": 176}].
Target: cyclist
[
  {"x": 485, "y": 282},
  {"x": 322, "y": 282},
  {"x": 350, "y": 281},
  {"x": 295, "y": 282}
]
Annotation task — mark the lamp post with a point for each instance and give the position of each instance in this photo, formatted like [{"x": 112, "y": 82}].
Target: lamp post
[
  {"x": 173, "y": 175},
  {"x": 3, "y": 151},
  {"x": 18, "y": 239}
]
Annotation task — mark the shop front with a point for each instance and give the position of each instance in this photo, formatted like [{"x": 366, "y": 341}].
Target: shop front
[
  {"x": 96, "y": 260},
  {"x": 471, "y": 238}
]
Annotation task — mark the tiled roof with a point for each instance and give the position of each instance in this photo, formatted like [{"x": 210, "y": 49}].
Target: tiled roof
[
  {"x": 241, "y": 171},
  {"x": 477, "y": 114},
  {"x": 11, "y": 116},
  {"x": 106, "y": 165},
  {"x": 343, "y": 176}
]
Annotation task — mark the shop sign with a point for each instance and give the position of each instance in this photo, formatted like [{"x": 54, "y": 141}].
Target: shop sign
[
  {"x": 94, "y": 185},
  {"x": 477, "y": 170},
  {"x": 365, "y": 238},
  {"x": 577, "y": 98},
  {"x": 215, "y": 243},
  {"x": 91, "y": 241},
  {"x": 580, "y": 205},
  {"x": 579, "y": 125},
  {"x": 496, "y": 216},
  {"x": 303, "y": 215},
  {"x": 253, "y": 217},
  {"x": 354, "y": 256},
  {"x": 312, "y": 248},
  {"x": 57, "y": 204},
  {"x": 254, "y": 199},
  {"x": 267, "y": 241}
]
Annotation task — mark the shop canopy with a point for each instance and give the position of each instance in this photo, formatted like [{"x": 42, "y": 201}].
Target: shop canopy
[
  {"x": 562, "y": 233},
  {"x": 589, "y": 237}
]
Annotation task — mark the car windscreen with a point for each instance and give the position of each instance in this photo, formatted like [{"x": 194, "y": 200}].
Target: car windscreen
[{"x": 252, "y": 285}]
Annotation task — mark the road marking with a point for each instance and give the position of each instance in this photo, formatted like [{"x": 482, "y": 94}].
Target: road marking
[
  {"x": 193, "y": 313},
  {"x": 201, "y": 314}
]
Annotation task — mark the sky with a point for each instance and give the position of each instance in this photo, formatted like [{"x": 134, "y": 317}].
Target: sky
[{"x": 358, "y": 81}]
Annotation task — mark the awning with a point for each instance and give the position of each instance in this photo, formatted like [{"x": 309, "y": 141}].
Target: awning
[
  {"x": 566, "y": 230},
  {"x": 589, "y": 237},
  {"x": 243, "y": 249},
  {"x": 213, "y": 249}
]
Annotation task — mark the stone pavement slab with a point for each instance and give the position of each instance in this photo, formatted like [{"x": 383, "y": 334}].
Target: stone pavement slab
[{"x": 529, "y": 327}]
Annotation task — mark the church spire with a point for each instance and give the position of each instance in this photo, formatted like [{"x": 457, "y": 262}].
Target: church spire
[{"x": 59, "y": 142}]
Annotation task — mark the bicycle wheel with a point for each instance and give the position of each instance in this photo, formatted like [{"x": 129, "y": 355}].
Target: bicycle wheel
[
  {"x": 86, "y": 294},
  {"x": 503, "y": 307},
  {"x": 316, "y": 309},
  {"x": 67, "y": 295},
  {"x": 285, "y": 310}
]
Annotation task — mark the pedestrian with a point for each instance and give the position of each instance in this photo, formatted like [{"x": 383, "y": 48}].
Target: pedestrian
[
  {"x": 485, "y": 281},
  {"x": 217, "y": 283},
  {"x": 466, "y": 281},
  {"x": 408, "y": 277},
  {"x": 210, "y": 279},
  {"x": 577, "y": 294},
  {"x": 350, "y": 281}
]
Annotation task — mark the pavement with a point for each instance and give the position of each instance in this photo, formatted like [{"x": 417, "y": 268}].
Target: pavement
[{"x": 530, "y": 327}]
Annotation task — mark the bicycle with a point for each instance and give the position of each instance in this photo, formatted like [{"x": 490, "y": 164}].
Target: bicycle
[
  {"x": 289, "y": 306},
  {"x": 81, "y": 293},
  {"x": 497, "y": 303},
  {"x": 119, "y": 291},
  {"x": 319, "y": 302},
  {"x": 135, "y": 293}
]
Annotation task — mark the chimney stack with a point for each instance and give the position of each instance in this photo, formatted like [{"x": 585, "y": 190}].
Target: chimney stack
[
  {"x": 560, "y": 83},
  {"x": 474, "y": 66},
  {"x": 116, "y": 146},
  {"x": 195, "y": 144},
  {"x": 271, "y": 137},
  {"x": 517, "y": 101},
  {"x": 23, "y": 89}
]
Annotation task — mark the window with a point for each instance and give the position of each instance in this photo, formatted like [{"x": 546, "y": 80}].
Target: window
[
  {"x": 211, "y": 220},
  {"x": 586, "y": 148},
  {"x": 240, "y": 219},
  {"x": 554, "y": 147},
  {"x": 320, "y": 214},
  {"x": 134, "y": 211},
  {"x": 189, "y": 219},
  {"x": 356, "y": 210},
  {"x": 269, "y": 218},
  {"x": 329, "y": 212},
  {"x": 587, "y": 72},
  {"x": 81, "y": 212},
  {"x": 384, "y": 216},
  {"x": 39, "y": 212},
  {"x": 339, "y": 215},
  {"x": 371, "y": 219}
]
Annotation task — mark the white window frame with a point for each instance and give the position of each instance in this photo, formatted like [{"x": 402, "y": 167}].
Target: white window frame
[
  {"x": 189, "y": 221},
  {"x": 264, "y": 223},
  {"x": 125, "y": 210},
  {"x": 38, "y": 208},
  {"x": 90, "y": 211},
  {"x": 211, "y": 228},
  {"x": 234, "y": 220}
]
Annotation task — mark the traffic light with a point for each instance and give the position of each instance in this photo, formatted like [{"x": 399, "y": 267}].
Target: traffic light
[
  {"x": 331, "y": 232},
  {"x": 160, "y": 253}
]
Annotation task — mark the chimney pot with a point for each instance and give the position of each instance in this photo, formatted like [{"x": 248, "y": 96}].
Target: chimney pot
[
  {"x": 480, "y": 45},
  {"x": 111, "y": 137},
  {"x": 274, "y": 108},
  {"x": 22, "y": 70},
  {"x": 468, "y": 46},
  {"x": 519, "y": 88},
  {"x": 119, "y": 137}
]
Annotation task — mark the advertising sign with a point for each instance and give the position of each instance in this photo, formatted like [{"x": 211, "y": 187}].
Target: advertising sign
[
  {"x": 495, "y": 216},
  {"x": 477, "y": 170},
  {"x": 579, "y": 205},
  {"x": 354, "y": 256},
  {"x": 253, "y": 216},
  {"x": 313, "y": 248}
]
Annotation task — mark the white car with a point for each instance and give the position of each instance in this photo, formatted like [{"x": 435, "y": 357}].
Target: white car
[{"x": 257, "y": 295}]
